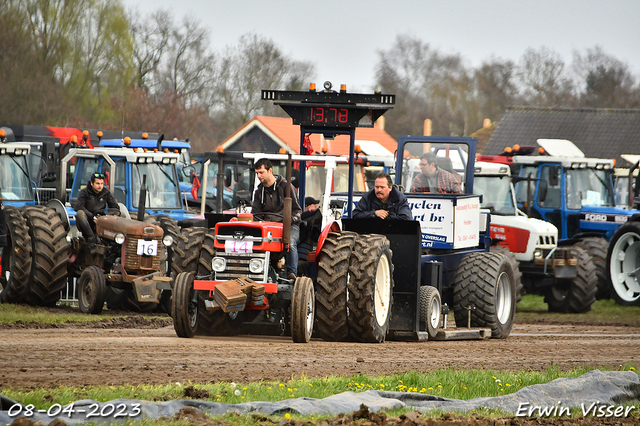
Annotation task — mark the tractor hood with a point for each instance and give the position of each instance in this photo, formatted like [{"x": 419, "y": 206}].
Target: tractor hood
[{"x": 109, "y": 226}]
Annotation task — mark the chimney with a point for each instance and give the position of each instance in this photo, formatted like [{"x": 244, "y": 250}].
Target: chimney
[
  {"x": 381, "y": 122},
  {"x": 486, "y": 123},
  {"x": 426, "y": 130}
]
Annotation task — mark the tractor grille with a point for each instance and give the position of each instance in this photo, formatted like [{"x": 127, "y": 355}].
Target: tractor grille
[
  {"x": 546, "y": 240},
  {"x": 238, "y": 266},
  {"x": 134, "y": 261},
  {"x": 245, "y": 230}
]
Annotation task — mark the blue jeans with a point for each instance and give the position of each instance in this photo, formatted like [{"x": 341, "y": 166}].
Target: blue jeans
[{"x": 291, "y": 257}]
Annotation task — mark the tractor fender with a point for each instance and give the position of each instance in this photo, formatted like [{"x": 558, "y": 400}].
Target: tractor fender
[{"x": 331, "y": 227}]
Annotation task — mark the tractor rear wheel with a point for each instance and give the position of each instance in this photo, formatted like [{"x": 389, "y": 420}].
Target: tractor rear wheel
[
  {"x": 515, "y": 264},
  {"x": 50, "y": 250},
  {"x": 623, "y": 260},
  {"x": 92, "y": 290},
  {"x": 185, "y": 306},
  {"x": 484, "y": 284},
  {"x": 577, "y": 294},
  {"x": 16, "y": 258},
  {"x": 597, "y": 248},
  {"x": 302, "y": 310},
  {"x": 186, "y": 250},
  {"x": 331, "y": 288},
  {"x": 214, "y": 323},
  {"x": 430, "y": 310},
  {"x": 370, "y": 288}
]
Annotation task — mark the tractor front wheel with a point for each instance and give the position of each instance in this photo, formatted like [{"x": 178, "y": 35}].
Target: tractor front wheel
[
  {"x": 16, "y": 258},
  {"x": 302, "y": 310},
  {"x": 92, "y": 290},
  {"x": 430, "y": 310},
  {"x": 185, "y": 306}
]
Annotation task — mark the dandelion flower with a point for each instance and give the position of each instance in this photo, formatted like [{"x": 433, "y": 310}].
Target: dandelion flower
[
  {"x": 311, "y": 384},
  {"x": 287, "y": 416},
  {"x": 507, "y": 384},
  {"x": 233, "y": 384},
  {"x": 281, "y": 385},
  {"x": 631, "y": 368},
  {"x": 237, "y": 392}
]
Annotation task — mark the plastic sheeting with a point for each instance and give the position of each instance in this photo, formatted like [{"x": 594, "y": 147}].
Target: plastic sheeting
[{"x": 604, "y": 388}]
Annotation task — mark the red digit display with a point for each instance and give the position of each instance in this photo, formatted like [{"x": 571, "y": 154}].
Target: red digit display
[{"x": 327, "y": 116}]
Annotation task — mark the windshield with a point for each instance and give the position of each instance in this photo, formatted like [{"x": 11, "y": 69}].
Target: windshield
[
  {"x": 588, "y": 187},
  {"x": 496, "y": 194},
  {"x": 14, "y": 180},
  {"x": 521, "y": 187},
  {"x": 452, "y": 157},
  {"x": 162, "y": 188}
]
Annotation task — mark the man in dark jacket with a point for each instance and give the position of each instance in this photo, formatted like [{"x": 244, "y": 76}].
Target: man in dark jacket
[
  {"x": 268, "y": 204},
  {"x": 383, "y": 201},
  {"x": 91, "y": 202}
]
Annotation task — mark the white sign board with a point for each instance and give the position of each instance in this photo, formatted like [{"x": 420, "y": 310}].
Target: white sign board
[{"x": 466, "y": 223}]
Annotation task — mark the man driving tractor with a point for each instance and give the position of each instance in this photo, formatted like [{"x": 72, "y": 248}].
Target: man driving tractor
[{"x": 91, "y": 202}]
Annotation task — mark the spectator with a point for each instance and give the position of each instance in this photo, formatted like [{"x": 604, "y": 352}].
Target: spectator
[{"x": 310, "y": 204}]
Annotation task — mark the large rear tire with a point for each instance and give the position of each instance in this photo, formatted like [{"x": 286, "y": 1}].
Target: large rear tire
[
  {"x": 185, "y": 306},
  {"x": 16, "y": 258},
  {"x": 302, "y": 310},
  {"x": 484, "y": 282},
  {"x": 577, "y": 294},
  {"x": 597, "y": 248},
  {"x": 623, "y": 260},
  {"x": 186, "y": 250},
  {"x": 92, "y": 290},
  {"x": 50, "y": 250},
  {"x": 370, "y": 288},
  {"x": 515, "y": 264},
  {"x": 331, "y": 289},
  {"x": 430, "y": 310}
]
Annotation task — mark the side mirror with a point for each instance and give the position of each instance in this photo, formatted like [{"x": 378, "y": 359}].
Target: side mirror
[
  {"x": 227, "y": 177},
  {"x": 542, "y": 190}
]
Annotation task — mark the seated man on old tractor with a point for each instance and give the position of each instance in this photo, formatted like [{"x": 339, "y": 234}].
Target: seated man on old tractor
[
  {"x": 92, "y": 202},
  {"x": 435, "y": 179},
  {"x": 268, "y": 204}
]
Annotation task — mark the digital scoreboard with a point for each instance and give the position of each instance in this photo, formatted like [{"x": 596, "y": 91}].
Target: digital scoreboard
[{"x": 330, "y": 109}]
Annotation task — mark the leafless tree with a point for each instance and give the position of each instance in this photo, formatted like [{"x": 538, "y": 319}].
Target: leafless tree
[
  {"x": 542, "y": 79},
  {"x": 150, "y": 45}
]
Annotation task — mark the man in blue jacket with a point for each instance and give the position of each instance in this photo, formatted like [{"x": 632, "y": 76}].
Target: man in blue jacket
[{"x": 383, "y": 201}]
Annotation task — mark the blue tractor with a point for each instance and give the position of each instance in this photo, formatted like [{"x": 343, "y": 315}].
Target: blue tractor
[{"x": 575, "y": 193}]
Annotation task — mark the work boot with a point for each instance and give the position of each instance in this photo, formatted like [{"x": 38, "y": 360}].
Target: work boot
[{"x": 291, "y": 276}]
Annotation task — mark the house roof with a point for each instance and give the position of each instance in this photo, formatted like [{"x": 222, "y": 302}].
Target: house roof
[
  {"x": 598, "y": 132},
  {"x": 285, "y": 134}
]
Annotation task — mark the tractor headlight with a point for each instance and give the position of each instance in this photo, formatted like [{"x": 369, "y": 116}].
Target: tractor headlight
[
  {"x": 256, "y": 265},
  {"x": 218, "y": 264},
  {"x": 167, "y": 240},
  {"x": 537, "y": 253},
  {"x": 119, "y": 238}
]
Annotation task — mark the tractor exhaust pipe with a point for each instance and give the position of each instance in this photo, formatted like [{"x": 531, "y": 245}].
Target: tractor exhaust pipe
[
  {"x": 160, "y": 139},
  {"x": 286, "y": 220},
  {"x": 142, "y": 199}
]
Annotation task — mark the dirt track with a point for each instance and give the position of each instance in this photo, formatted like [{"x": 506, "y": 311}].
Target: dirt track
[{"x": 93, "y": 356}]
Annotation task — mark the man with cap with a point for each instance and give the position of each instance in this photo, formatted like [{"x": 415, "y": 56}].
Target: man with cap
[{"x": 310, "y": 204}]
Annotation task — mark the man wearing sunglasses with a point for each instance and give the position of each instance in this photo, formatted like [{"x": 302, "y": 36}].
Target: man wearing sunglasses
[{"x": 92, "y": 201}]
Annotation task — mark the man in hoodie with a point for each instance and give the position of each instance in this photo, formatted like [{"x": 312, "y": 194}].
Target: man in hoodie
[
  {"x": 92, "y": 201},
  {"x": 383, "y": 201},
  {"x": 268, "y": 204}
]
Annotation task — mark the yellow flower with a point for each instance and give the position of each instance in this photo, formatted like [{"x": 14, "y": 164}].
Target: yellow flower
[
  {"x": 507, "y": 384},
  {"x": 281, "y": 385},
  {"x": 631, "y": 368},
  {"x": 289, "y": 389},
  {"x": 287, "y": 416},
  {"x": 430, "y": 388}
]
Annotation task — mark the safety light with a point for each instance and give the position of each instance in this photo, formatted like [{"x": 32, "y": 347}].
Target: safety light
[
  {"x": 507, "y": 150},
  {"x": 343, "y": 88},
  {"x": 127, "y": 141},
  {"x": 516, "y": 147},
  {"x": 166, "y": 150},
  {"x": 220, "y": 149},
  {"x": 3, "y": 134},
  {"x": 357, "y": 149},
  {"x": 85, "y": 134},
  {"x": 99, "y": 133},
  {"x": 312, "y": 87},
  {"x": 73, "y": 139},
  {"x": 541, "y": 150},
  {"x": 119, "y": 238},
  {"x": 145, "y": 135},
  {"x": 282, "y": 151}
]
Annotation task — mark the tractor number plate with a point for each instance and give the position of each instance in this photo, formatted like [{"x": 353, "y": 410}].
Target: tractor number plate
[
  {"x": 238, "y": 247},
  {"x": 150, "y": 248}
]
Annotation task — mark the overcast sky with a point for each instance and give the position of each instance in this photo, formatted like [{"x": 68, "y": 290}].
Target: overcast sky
[{"x": 342, "y": 37}]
